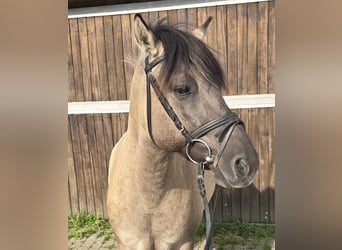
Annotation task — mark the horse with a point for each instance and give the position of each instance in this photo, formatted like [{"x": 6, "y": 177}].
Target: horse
[{"x": 153, "y": 200}]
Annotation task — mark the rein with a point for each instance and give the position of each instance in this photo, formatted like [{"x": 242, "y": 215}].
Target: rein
[{"x": 228, "y": 122}]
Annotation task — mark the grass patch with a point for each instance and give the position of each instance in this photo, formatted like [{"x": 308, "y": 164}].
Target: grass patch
[
  {"x": 240, "y": 233},
  {"x": 82, "y": 225},
  {"x": 225, "y": 235}
]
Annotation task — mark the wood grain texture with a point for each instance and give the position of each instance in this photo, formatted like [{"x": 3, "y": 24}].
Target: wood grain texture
[
  {"x": 232, "y": 57},
  {"x": 72, "y": 180}
]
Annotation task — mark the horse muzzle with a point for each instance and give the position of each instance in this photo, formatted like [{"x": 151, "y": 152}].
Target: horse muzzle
[{"x": 237, "y": 161}]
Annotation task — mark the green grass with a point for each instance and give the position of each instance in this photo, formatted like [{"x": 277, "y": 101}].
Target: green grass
[
  {"x": 225, "y": 235},
  {"x": 81, "y": 226},
  {"x": 240, "y": 233}
]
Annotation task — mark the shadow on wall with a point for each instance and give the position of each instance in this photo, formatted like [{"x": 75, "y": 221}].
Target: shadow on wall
[{"x": 247, "y": 204}]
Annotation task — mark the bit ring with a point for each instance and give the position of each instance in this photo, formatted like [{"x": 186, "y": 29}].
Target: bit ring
[{"x": 208, "y": 159}]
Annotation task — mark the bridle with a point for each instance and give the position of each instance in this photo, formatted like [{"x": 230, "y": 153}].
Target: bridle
[{"x": 228, "y": 122}]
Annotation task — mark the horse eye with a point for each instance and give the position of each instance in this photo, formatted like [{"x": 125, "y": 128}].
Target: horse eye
[{"x": 182, "y": 90}]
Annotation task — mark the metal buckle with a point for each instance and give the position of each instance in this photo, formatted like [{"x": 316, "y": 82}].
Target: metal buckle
[{"x": 208, "y": 159}]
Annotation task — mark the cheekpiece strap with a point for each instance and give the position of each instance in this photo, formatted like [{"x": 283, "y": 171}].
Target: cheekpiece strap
[
  {"x": 151, "y": 80},
  {"x": 150, "y": 66}
]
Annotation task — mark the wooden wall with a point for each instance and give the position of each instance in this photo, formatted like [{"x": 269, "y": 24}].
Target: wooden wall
[{"x": 242, "y": 37}]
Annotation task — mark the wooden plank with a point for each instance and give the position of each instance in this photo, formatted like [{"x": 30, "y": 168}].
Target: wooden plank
[
  {"x": 271, "y": 48},
  {"x": 100, "y": 170},
  {"x": 92, "y": 161},
  {"x": 76, "y": 59},
  {"x": 226, "y": 204},
  {"x": 119, "y": 58},
  {"x": 232, "y": 58},
  {"x": 101, "y": 57},
  {"x": 85, "y": 59},
  {"x": 235, "y": 195},
  {"x": 253, "y": 132},
  {"x": 78, "y": 161},
  {"x": 94, "y": 63},
  {"x": 72, "y": 178},
  {"x": 99, "y": 90},
  {"x": 217, "y": 208},
  {"x": 252, "y": 81},
  {"x": 263, "y": 127},
  {"x": 182, "y": 18},
  {"x": 110, "y": 57},
  {"x": 86, "y": 163},
  {"x": 120, "y": 75},
  {"x": 242, "y": 48},
  {"x": 271, "y": 89},
  {"x": 191, "y": 18},
  {"x": 172, "y": 17},
  {"x": 271, "y": 164},
  {"x": 127, "y": 35},
  {"x": 262, "y": 47},
  {"x": 69, "y": 199},
  {"x": 263, "y": 171},
  {"x": 71, "y": 73}
]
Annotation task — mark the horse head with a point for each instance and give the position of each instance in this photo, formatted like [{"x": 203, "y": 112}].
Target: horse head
[{"x": 202, "y": 127}]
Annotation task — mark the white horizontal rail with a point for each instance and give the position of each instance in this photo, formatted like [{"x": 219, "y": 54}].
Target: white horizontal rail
[
  {"x": 250, "y": 101},
  {"x": 120, "y": 9},
  {"x": 234, "y": 102}
]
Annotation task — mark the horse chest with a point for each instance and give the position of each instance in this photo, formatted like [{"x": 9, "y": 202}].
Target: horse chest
[{"x": 174, "y": 217}]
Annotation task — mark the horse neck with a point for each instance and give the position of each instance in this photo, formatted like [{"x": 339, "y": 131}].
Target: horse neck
[
  {"x": 148, "y": 169},
  {"x": 153, "y": 159}
]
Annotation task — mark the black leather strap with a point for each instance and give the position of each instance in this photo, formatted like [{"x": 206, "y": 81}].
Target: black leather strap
[
  {"x": 208, "y": 215},
  {"x": 150, "y": 66},
  {"x": 151, "y": 80},
  {"x": 226, "y": 120}
]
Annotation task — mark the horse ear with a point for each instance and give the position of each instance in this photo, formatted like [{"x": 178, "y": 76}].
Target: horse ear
[
  {"x": 144, "y": 36},
  {"x": 201, "y": 32}
]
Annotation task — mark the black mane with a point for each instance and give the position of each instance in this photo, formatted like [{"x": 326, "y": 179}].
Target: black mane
[{"x": 184, "y": 49}]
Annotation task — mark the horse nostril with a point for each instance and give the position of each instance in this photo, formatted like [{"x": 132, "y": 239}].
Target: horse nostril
[{"x": 242, "y": 167}]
